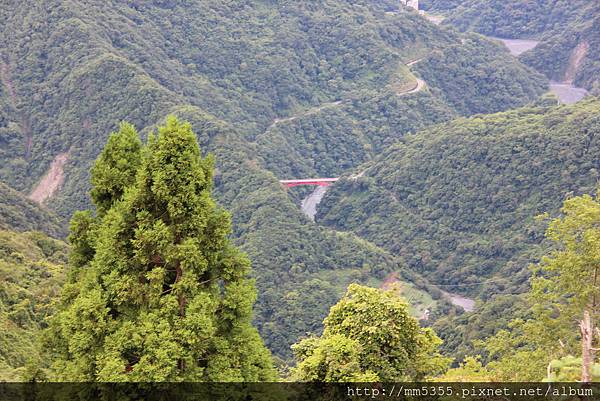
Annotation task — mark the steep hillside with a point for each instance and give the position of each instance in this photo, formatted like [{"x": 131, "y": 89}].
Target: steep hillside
[
  {"x": 31, "y": 275},
  {"x": 273, "y": 89},
  {"x": 21, "y": 214},
  {"x": 509, "y": 19},
  {"x": 458, "y": 201},
  {"x": 571, "y": 54},
  {"x": 71, "y": 70},
  {"x": 287, "y": 250},
  {"x": 569, "y": 33},
  {"x": 476, "y": 76}
]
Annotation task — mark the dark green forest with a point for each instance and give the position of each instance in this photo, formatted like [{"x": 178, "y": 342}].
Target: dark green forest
[
  {"x": 567, "y": 31},
  {"x": 449, "y": 151},
  {"x": 91, "y": 65},
  {"x": 17, "y": 212},
  {"x": 459, "y": 201}
]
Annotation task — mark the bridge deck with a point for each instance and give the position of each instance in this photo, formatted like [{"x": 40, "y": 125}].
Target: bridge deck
[{"x": 309, "y": 181}]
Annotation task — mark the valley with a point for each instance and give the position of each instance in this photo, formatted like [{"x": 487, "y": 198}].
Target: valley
[
  {"x": 565, "y": 91},
  {"x": 146, "y": 150}
]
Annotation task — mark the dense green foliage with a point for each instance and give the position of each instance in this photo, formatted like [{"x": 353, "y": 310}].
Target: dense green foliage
[
  {"x": 463, "y": 77},
  {"x": 571, "y": 53},
  {"x": 70, "y": 70},
  {"x": 21, "y": 214},
  {"x": 273, "y": 89},
  {"x": 288, "y": 252},
  {"x": 165, "y": 296},
  {"x": 564, "y": 287},
  {"x": 369, "y": 336},
  {"x": 31, "y": 274},
  {"x": 476, "y": 76},
  {"x": 458, "y": 201},
  {"x": 566, "y": 29},
  {"x": 463, "y": 334},
  {"x": 258, "y": 61},
  {"x": 510, "y": 18}
]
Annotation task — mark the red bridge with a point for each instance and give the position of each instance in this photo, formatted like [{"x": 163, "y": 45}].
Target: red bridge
[{"x": 322, "y": 182}]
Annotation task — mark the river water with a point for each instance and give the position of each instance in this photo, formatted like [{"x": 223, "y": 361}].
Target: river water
[
  {"x": 518, "y": 46},
  {"x": 565, "y": 91}
]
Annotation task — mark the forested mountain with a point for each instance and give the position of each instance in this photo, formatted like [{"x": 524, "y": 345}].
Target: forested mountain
[
  {"x": 458, "y": 201},
  {"x": 273, "y": 89},
  {"x": 571, "y": 54},
  {"x": 509, "y": 19},
  {"x": 568, "y": 31},
  {"x": 32, "y": 272},
  {"x": 245, "y": 63},
  {"x": 21, "y": 214}
]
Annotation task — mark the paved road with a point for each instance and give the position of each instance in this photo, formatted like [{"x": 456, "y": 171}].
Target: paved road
[{"x": 418, "y": 87}]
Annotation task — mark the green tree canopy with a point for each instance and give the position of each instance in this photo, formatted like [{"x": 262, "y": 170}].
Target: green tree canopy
[
  {"x": 116, "y": 167},
  {"x": 565, "y": 285},
  {"x": 369, "y": 336},
  {"x": 166, "y": 296}
]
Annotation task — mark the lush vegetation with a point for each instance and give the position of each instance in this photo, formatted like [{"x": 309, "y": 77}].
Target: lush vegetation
[
  {"x": 21, "y": 214},
  {"x": 369, "y": 336},
  {"x": 512, "y": 18},
  {"x": 475, "y": 77},
  {"x": 32, "y": 272},
  {"x": 566, "y": 30},
  {"x": 279, "y": 90},
  {"x": 458, "y": 201},
  {"x": 563, "y": 304},
  {"x": 156, "y": 291},
  {"x": 570, "y": 53},
  {"x": 71, "y": 70},
  {"x": 288, "y": 251}
]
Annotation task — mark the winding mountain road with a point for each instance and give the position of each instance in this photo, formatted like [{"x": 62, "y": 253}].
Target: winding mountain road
[
  {"x": 310, "y": 203},
  {"x": 419, "y": 85}
]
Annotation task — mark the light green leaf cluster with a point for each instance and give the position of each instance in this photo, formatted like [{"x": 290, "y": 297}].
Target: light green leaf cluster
[
  {"x": 370, "y": 336},
  {"x": 565, "y": 284},
  {"x": 568, "y": 369},
  {"x": 470, "y": 370}
]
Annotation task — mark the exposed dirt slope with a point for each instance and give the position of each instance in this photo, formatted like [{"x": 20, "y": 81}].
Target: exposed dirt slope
[{"x": 51, "y": 181}]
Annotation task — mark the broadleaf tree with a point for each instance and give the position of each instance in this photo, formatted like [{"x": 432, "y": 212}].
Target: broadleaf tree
[
  {"x": 370, "y": 335},
  {"x": 565, "y": 289}
]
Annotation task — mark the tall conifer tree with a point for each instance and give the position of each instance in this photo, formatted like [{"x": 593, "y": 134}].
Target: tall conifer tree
[{"x": 166, "y": 296}]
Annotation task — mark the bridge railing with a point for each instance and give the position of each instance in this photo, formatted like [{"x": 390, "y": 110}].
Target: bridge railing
[{"x": 323, "y": 182}]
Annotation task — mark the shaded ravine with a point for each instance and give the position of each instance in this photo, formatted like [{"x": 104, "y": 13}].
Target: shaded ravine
[{"x": 565, "y": 91}]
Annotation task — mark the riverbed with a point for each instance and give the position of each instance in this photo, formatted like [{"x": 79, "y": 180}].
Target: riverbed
[
  {"x": 309, "y": 204},
  {"x": 518, "y": 46},
  {"x": 467, "y": 304},
  {"x": 564, "y": 91}
]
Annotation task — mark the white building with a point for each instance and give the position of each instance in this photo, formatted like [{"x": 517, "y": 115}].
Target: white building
[{"x": 411, "y": 3}]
